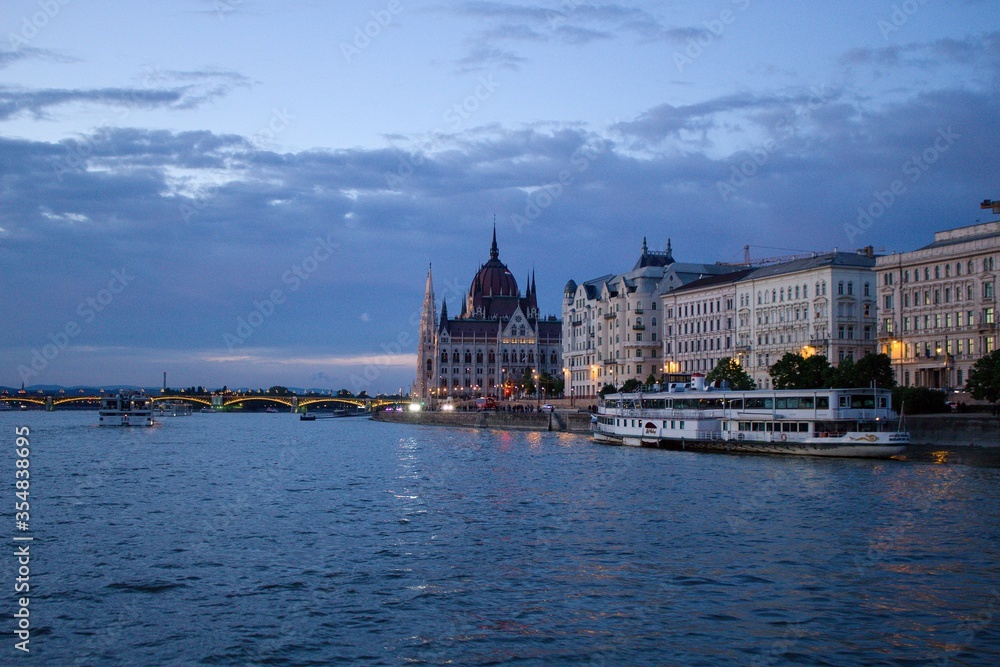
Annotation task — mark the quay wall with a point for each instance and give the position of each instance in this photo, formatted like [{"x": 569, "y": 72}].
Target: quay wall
[
  {"x": 948, "y": 430},
  {"x": 954, "y": 430},
  {"x": 572, "y": 422}
]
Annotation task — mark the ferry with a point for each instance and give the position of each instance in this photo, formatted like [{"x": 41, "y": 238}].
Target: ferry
[
  {"x": 814, "y": 422},
  {"x": 126, "y": 408}
]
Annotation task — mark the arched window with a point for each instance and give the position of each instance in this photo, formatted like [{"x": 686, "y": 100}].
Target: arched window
[
  {"x": 455, "y": 357},
  {"x": 429, "y": 365},
  {"x": 479, "y": 357},
  {"x": 506, "y": 358},
  {"x": 444, "y": 357},
  {"x": 531, "y": 357},
  {"x": 654, "y": 322},
  {"x": 654, "y": 305},
  {"x": 553, "y": 359},
  {"x": 468, "y": 357},
  {"x": 492, "y": 357}
]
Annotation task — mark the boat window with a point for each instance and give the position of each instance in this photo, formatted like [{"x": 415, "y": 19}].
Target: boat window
[
  {"x": 760, "y": 403},
  {"x": 845, "y": 401},
  {"x": 803, "y": 427},
  {"x": 736, "y": 404},
  {"x": 710, "y": 403},
  {"x": 822, "y": 402},
  {"x": 865, "y": 402},
  {"x": 806, "y": 403},
  {"x": 882, "y": 402}
]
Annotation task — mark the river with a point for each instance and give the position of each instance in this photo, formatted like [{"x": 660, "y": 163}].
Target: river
[{"x": 257, "y": 539}]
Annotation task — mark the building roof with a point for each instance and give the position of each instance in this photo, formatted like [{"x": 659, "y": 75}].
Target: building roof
[
  {"x": 808, "y": 263},
  {"x": 711, "y": 281}
]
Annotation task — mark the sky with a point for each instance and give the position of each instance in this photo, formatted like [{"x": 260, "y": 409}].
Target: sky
[{"x": 249, "y": 193}]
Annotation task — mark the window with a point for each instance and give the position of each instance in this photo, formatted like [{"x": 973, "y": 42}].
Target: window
[
  {"x": 988, "y": 290},
  {"x": 867, "y": 291},
  {"x": 840, "y": 287},
  {"x": 888, "y": 302}
]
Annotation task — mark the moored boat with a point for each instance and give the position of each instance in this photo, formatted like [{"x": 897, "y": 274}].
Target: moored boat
[
  {"x": 815, "y": 422},
  {"x": 127, "y": 407}
]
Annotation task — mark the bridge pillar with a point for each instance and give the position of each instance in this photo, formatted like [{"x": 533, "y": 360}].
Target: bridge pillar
[
  {"x": 48, "y": 404},
  {"x": 295, "y": 403}
]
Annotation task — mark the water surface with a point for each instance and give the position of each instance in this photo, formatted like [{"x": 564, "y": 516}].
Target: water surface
[{"x": 258, "y": 539}]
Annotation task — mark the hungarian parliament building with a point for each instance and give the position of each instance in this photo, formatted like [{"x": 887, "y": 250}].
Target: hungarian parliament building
[{"x": 498, "y": 337}]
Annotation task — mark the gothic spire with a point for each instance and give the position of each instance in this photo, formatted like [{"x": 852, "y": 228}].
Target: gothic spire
[{"x": 494, "y": 250}]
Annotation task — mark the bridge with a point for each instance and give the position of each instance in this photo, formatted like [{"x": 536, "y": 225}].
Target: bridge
[{"x": 218, "y": 401}]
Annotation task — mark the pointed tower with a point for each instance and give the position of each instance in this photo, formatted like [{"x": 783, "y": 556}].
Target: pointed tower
[{"x": 427, "y": 345}]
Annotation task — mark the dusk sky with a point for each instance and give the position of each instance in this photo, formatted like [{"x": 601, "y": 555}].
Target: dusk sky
[{"x": 169, "y": 169}]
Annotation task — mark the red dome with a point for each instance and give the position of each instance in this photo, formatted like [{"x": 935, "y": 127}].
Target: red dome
[{"x": 494, "y": 279}]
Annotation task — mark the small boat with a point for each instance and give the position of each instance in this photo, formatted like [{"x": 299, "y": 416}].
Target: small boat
[
  {"x": 127, "y": 407},
  {"x": 307, "y": 417},
  {"x": 173, "y": 408},
  {"x": 207, "y": 410},
  {"x": 813, "y": 422},
  {"x": 271, "y": 410}
]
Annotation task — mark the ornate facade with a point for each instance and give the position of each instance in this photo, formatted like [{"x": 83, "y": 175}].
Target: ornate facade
[
  {"x": 498, "y": 337},
  {"x": 612, "y": 324},
  {"x": 938, "y": 306}
]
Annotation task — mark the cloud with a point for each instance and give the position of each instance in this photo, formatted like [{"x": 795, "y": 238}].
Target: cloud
[
  {"x": 10, "y": 56},
  {"x": 195, "y": 89},
  {"x": 564, "y": 23}
]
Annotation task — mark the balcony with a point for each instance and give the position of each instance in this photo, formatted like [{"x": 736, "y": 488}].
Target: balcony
[
  {"x": 610, "y": 315},
  {"x": 638, "y": 310},
  {"x": 638, "y": 327}
]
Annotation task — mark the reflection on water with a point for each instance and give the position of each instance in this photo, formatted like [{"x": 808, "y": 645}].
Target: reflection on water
[{"x": 259, "y": 539}]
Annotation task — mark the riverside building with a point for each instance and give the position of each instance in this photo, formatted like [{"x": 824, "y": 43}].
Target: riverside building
[
  {"x": 938, "y": 306},
  {"x": 611, "y": 325},
  {"x": 498, "y": 336},
  {"x": 824, "y": 304}
]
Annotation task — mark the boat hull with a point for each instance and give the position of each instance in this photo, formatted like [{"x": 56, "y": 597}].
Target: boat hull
[{"x": 839, "y": 448}]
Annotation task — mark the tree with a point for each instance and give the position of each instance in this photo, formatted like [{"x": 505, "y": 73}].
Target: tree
[
  {"x": 553, "y": 386},
  {"x": 650, "y": 380},
  {"x": 984, "y": 379},
  {"x": 918, "y": 400},
  {"x": 870, "y": 368},
  {"x": 607, "y": 389},
  {"x": 344, "y": 393},
  {"x": 630, "y": 386},
  {"x": 729, "y": 370},
  {"x": 793, "y": 371}
]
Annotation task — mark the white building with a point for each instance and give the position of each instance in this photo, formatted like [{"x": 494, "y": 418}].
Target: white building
[
  {"x": 823, "y": 304},
  {"x": 938, "y": 306},
  {"x": 612, "y": 324}
]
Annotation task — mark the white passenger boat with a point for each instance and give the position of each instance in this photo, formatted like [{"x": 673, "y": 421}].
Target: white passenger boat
[
  {"x": 816, "y": 422},
  {"x": 126, "y": 408}
]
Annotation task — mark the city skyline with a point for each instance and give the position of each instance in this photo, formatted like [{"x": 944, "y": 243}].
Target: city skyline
[{"x": 254, "y": 216}]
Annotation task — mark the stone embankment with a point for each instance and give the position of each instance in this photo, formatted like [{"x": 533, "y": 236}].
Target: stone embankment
[
  {"x": 954, "y": 430},
  {"x": 573, "y": 422},
  {"x": 949, "y": 430}
]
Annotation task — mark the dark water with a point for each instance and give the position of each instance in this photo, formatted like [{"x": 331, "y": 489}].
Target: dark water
[{"x": 262, "y": 540}]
